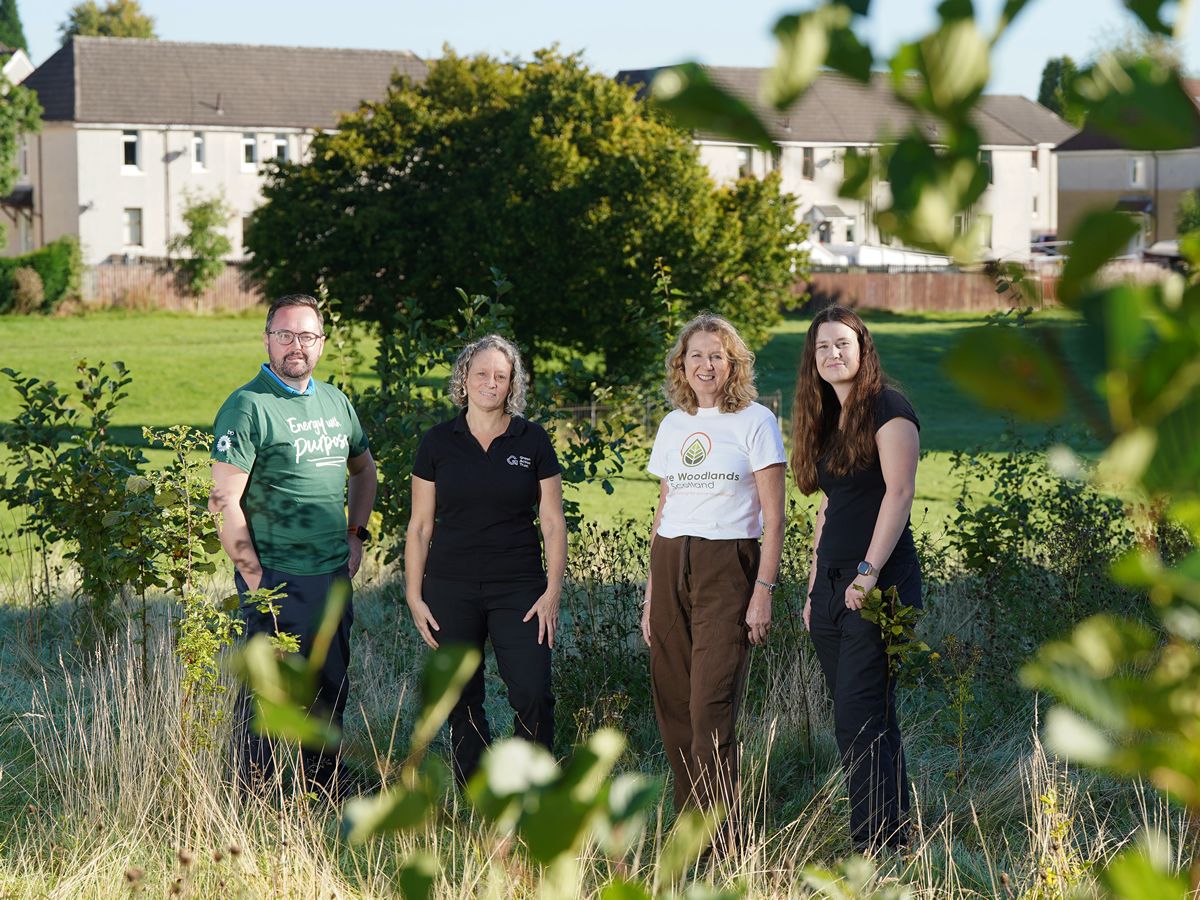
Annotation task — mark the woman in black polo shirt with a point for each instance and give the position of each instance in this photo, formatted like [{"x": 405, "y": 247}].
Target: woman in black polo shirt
[
  {"x": 855, "y": 438},
  {"x": 473, "y": 561}
]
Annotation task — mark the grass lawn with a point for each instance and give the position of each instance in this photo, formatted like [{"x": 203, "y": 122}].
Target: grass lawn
[{"x": 184, "y": 365}]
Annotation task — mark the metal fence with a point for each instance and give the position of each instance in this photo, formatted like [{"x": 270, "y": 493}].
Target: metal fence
[{"x": 651, "y": 411}]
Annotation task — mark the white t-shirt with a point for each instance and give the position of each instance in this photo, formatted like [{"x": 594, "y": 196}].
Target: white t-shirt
[{"x": 708, "y": 461}]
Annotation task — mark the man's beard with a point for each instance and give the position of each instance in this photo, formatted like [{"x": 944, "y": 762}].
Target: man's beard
[{"x": 293, "y": 367}]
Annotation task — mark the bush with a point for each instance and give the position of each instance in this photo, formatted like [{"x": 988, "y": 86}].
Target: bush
[
  {"x": 27, "y": 289},
  {"x": 59, "y": 265}
]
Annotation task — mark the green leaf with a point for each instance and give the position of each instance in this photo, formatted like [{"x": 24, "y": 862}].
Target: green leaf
[
  {"x": 1136, "y": 874},
  {"x": 447, "y": 671},
  {"x": 1077, "y": 739},
  {"x": 1121, "y": 313},
  {"x": 417, "y": 876},
  {"x": 288, "y": 722},
  {"x": 1003, "y": 369},
  {"x": 395, "y": 809},
  {"x": 624, "y": 890},
  {"x": 1150, "y": 12},
  {"x": 954, "y": 61},
  {"x": 1175, "y": 466},
  {"x": 807, "y": 41},
  {"x": 1096, "y": 240},
  {"x": 692, "y": 98},
  {"x": 1139, "y": 101},
  {"x": 510, "y": 770},
  {"x": 1124, "y": 462},
  {"x": 335, "y": 607},
  {"x": 692, "y": 833}
]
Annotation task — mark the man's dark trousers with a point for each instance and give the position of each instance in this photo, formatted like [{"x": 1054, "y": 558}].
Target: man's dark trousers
[
  {"x": 300, "y": 611},
  {"x": 852, "y": 656}
]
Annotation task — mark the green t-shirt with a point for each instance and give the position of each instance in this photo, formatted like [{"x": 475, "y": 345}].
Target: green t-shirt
[{"x": 295, "y": 447}]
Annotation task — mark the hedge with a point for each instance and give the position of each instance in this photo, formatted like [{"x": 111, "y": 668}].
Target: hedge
[{"x": 59, "y": 263}]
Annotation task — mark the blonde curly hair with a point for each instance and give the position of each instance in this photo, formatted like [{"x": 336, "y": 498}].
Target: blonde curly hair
[
  {"x": 739, "y": 390},
  {"x": 514, "y": 403}
]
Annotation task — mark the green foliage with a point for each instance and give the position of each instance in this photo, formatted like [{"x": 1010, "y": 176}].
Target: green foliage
[
  {"x": 11, "y": 32},
  {"x": 498, "y": 158},
  {"x": 20, "y": 114},
  {"x": 898, "y": 624},
  {"x": 1187, "y": 216},
  {"x": 204, "y": 245},
  {"x": 1052, "y": 92},
  {"x": 28, "y": 293},
  {"x": 117, "y": 18},
  {"x": 60, "y": 266}
]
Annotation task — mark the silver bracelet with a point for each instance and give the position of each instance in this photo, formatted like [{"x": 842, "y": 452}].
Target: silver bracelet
[{"x": 768, "y": 585}]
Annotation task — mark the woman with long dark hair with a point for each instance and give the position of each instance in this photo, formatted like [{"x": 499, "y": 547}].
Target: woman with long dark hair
[{"x": 855, "y": 438}]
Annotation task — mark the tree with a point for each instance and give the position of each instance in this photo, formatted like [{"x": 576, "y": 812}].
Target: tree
[
  {"x": 554, "y": 174},
  {"x": 1187, "y": 216},
  {"x": 119, "y": 18},
  {"x": 12, "y": 35},
  {"x": 204, "y": 245},
  {"x": 1052, "y": 94},
  {"x": 20, "y": 114}
]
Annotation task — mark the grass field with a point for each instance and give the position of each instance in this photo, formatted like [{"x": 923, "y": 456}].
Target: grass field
[{"x": 183, "y": 366}]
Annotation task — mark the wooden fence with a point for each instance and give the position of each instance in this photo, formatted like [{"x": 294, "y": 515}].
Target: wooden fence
[
  {"x": 153, "y": 285},
  {"x": 918, "y": 291}
]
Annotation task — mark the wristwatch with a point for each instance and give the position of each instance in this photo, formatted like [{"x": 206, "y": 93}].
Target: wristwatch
[
  {"x": 360, "y": 532},
  {"x": 866, "y": 569}
]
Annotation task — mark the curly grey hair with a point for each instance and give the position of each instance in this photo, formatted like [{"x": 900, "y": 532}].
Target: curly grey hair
[{"x": 514, "y": 403}]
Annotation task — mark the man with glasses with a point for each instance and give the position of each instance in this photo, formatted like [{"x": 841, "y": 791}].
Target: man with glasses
[{"x": 283, "y": 445}]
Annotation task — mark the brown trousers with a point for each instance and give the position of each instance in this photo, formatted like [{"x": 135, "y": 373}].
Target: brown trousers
[{"x": 699, "y": 649}]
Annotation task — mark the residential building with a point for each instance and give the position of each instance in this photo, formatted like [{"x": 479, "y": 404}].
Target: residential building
[
  {"x": 837, "y": 114},
  {"x": 1097, "y": 171},
  {"x": 130, "y": 126}
]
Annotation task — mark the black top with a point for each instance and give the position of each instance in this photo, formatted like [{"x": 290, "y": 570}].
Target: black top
[
  {"x": 486, "y": 502},
  {"x": 854, "y": 499}
]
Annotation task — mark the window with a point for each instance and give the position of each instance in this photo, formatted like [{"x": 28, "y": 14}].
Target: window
[
  {"x": 133, "y": 227},
  {"x": 960, "y": 224},
  {"x": 198, "y": 156},
  {"x": 745, "y": 161},
  {"x": 985, "y": 162},
  {"x": 1035, "y": 205},
  {"x": 129, "y": 143},
  {"x": 985, "y": 229},
  {"x": 885, "y": 238},
  {"x": 823, "y": 232},
  {"x": 1137, "y": 172},
  {"x": 249, "y": 152},
  {"x": 850, "y": 233},
  {"x": 245, "y": 229},
  {"x": 23, "y": 158},
  {"x": 808, "y": 168},
  {"x": 25, "y": 232},
  {"x": 1033, "y": 161},
  {"x": 776, "y": 159},
  {"x": 281, "y": 148}
]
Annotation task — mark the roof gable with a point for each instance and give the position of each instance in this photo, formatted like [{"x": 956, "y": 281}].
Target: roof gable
[{"x": 237, "y": 85}]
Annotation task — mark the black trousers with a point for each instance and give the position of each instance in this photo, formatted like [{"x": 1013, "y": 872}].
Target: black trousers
[
  {"x": 855, "y": 664},
  {"x": 300, "y": 613},
  {"x": 471, "y": 612}
]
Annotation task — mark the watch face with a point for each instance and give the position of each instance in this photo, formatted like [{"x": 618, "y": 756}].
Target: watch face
[{"x": 864, "y": 568}]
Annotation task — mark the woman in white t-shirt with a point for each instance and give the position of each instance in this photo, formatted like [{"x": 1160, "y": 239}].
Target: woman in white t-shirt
[{"x": 720, "y": 460}]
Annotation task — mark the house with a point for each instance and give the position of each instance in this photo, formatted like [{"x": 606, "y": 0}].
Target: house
[
  {"x": 837, "y": 113},
  {"x": 130, "y": 125},
  {"x": 1097, "y": 171}
]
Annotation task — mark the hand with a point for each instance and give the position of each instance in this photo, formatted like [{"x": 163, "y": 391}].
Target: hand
[
  {"x": 424, "y": 621},
  {"x": 858, "y": 589},
  {"x": 253, "y": 579},
  {"x": 546, "y": 609},
  {"x": 356, "y": 554},
  {"x": 807, "y": 613},
  {"x": 646, "y": 621},
  {"x": 758, "y": 615}
]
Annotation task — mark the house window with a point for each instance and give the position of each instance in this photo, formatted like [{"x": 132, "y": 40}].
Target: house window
[
  {"x": 1033, "y": 160},
  {"x": 823, "y": 231},
  {"x": 133, "y": 227},
  {"x": 198, "y": 154},
  {"x": 245, "y": 231},
  {"x": 1137, "y": 172},
  {"x": 808, "y": 167},
  {"x": 985, "y": 228},
  {"x": 985, "y": 162},
  {"x": 745, "y": 161},
  {"x": 249, "y": 153},
  {"x": 25, "y": 232},
  {"x": 850, "y": 233},
  {"x": 130, "y": 147},
  {"x": 885, "y": 238},
  {"x": 281, "y": 148},
  {"x": 1035, "y": 205},
  {"x": 776, "y": 159},
  {"x": 960, "y": 224}
]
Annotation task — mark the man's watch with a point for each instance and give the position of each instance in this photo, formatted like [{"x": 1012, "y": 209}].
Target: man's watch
[
  {"x": 866, "y": 570},
  {"x": 360, "y": 532}
]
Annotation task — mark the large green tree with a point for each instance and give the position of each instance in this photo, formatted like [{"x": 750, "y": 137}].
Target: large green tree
[
  {"x": 20, "y": 114},
  {"x": 558, "y": 176},
  {"x": 11, "y": 33},
  {"x": 1052, "y": 93},
  {"x": 117, "y": 18}
]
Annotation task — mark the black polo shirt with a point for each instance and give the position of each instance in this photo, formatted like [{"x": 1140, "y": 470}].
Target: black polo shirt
[
  {"x": 486, "y": 502},
  {"x": 854, "y": 499}
]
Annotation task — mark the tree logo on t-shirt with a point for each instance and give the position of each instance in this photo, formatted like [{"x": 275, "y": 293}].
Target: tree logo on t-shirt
[{"x": 696, "y": 447}]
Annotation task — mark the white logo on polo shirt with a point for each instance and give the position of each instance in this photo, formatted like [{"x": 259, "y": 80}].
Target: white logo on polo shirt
[{"x": 523, "y": 461}]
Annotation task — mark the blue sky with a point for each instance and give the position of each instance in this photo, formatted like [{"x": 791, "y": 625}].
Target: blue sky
[{"x": 614, "y": 34}]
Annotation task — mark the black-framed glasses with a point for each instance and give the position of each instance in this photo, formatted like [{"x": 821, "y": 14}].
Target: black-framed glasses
[{"x": 283, "y": 337}]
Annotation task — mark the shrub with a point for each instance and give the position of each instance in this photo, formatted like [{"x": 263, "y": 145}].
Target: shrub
[
  {"x": 59, "y": 265},
  {"x": 28, "y": 293}
]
